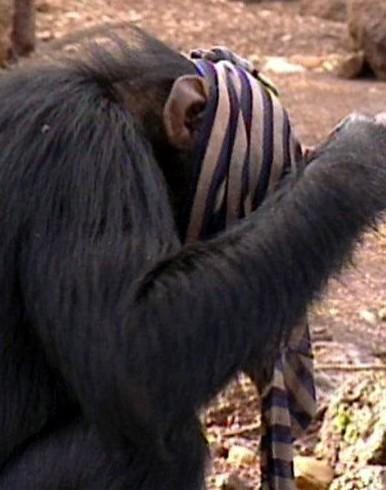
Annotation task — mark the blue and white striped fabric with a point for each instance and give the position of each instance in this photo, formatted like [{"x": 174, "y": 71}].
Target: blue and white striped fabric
[{"x": 246, "y": 146}]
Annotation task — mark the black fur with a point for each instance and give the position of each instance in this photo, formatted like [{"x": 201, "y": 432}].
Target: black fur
[{"x": 112, "y": 334}]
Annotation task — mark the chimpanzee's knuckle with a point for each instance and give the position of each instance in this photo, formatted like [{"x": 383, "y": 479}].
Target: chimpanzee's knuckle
[
  {"x": 381, "y": 118},
  {"x": 355, "y": 119}
]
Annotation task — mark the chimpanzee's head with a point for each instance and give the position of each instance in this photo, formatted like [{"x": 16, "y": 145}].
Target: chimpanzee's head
[{"x": 219, "y": 134}]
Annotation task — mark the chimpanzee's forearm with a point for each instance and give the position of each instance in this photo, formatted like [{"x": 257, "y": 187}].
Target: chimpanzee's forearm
[{"x": 244, "y": 291}]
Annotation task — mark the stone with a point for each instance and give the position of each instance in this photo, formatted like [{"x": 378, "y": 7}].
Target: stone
[
  {"x": 368, "y": 317},
  {"x": 382, "y": 314},
  {"x": 312, "y": 474},
  {"x": 348, "y": 66},
  {"x": 46, "y": 35},
  {"x": 351, "y": 65},
  {"x": 376, "y": 444},
  {"x": 354, "y": 426},
  {"x": 367, "y": 28},
  {"x": 373, "y": 476},
  {"x": 366, "y": 478},
  {"x": 43, "y": 6},
  {"x": 230, "y": 482},
  {"x": 311, "y": 62},
  {"x": 277, "y": 64},
  {"x": 241, "y": 456}
]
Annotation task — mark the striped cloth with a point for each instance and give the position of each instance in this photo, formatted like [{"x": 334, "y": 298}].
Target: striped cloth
[{"x": 246, "y": 146}]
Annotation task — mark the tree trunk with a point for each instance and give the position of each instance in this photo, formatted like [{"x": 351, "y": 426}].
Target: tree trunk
[
  {"x": 6, "y": 13},
  {"x": 23, "y": 33}
]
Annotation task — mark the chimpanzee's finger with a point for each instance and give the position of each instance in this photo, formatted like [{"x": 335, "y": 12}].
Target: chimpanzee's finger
[{"x": 381, "y": 118}]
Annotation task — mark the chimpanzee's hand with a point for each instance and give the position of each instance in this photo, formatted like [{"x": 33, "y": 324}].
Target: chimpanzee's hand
[
  {"x": 381, "y": 118},
  {"x": 352, "y": 118},
  {"x": 356, "y": 133},
  {"x": 357, "y": 119}
]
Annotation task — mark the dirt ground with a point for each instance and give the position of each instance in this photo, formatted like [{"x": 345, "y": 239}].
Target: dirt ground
[{"x": 349, "y": 325}]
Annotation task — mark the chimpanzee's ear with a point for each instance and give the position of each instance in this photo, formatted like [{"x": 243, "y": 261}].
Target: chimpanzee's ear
[{"x": 183, "y": 110}]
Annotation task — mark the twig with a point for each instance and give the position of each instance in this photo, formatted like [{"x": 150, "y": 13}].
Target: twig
[
  {"x": 350, "y": 367},
  {"x": 242, "y": 430}
]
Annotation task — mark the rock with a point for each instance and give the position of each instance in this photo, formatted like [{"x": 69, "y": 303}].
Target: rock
[
  {"x": 332, "y": 9},
  {"x": 376, "y": 444},
  {"x": 241, "y": 456},
  {"x": 230, "y": 482},
  {"x": 373, "y": 476},
  {"x": 367, "y": 28},
  {"x": 72, "y": 15},
  {"x": 218, "y": 449},
  {"x": 277, "y": 64},
  {"x": 354, "y": 427},
  {"x": 46, "y": 35},
  {"x": 348, "y": 66},
  {"x": 351, "y": 65},
  {"x": 312, "y": 474},
  {"x": 311, "y": 62},
  {"x": 366, "y": 478},
  {"x": 43, "y": 6},
  {"x": 382, "y": 314},
  {"x": 368, "y": 317}
]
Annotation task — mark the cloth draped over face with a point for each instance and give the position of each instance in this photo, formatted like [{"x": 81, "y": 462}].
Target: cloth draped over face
[{"x": 246, "y": 146}]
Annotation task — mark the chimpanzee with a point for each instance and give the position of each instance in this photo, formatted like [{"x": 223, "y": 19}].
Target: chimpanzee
[{"x": 113, "y": 333}]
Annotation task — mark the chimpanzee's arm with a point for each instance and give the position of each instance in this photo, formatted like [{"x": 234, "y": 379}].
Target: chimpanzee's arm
[{"x": 145, "y": 343}]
